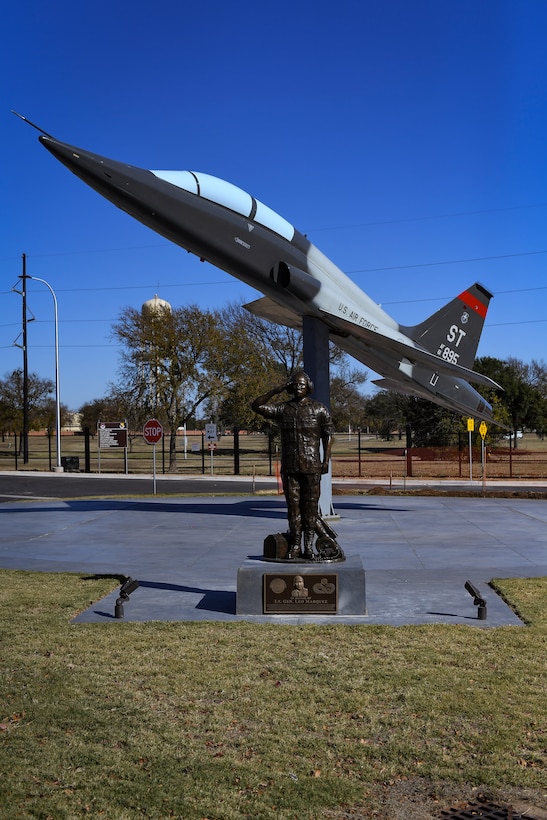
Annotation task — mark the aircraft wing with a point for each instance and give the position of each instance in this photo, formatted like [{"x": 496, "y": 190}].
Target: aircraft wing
[
  {"x": 414, "y": 355},
  {"x": 266, "y": 308}
]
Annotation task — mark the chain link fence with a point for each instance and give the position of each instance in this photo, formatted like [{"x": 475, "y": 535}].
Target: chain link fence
[{"x": 258, "y": 454}]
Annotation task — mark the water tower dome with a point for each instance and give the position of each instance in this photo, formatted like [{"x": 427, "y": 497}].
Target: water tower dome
[{"x": 156, "y": 305}]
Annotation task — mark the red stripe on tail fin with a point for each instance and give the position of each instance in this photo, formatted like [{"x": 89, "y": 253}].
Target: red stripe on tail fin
[{"x": 473, "y": 303}]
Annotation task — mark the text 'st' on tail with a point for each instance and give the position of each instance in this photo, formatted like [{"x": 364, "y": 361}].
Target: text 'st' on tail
[{"x": 453, "y": 332}]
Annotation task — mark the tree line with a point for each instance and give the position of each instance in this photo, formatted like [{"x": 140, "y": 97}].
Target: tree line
[{"x": 186, "y": 365}]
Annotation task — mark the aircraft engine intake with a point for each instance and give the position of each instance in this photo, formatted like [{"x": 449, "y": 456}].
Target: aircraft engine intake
[{"x": 295, "y": 281}]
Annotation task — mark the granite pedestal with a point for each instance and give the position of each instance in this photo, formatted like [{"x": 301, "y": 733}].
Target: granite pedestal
[{"x": 258, "y": 581}]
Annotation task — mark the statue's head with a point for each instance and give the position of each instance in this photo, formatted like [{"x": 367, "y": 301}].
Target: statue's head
[{"x": 300, "y": 384}]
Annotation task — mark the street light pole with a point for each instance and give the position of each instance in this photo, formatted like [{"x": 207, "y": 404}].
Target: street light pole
[{"x": 58, "y": 468}]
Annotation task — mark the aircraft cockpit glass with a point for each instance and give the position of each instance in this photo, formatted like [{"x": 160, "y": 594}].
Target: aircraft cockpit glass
[
  {"x": 230, "y": 196},
  {"x": 182, "y": 179},
  {"x": 224, "y": 193},
  {"x": 265, "y": 216}
]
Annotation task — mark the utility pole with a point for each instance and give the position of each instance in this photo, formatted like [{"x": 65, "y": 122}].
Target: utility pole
[{"x": 25, "y": 364}]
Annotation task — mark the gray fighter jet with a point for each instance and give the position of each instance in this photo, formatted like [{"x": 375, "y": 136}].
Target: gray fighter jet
[{"x": 232, "y": 230}]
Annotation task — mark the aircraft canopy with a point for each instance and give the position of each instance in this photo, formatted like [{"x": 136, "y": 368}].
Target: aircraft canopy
[{"x": 229, "y": 196}]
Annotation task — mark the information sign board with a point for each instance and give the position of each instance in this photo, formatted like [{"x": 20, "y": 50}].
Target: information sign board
[{"x": 112, "y": 434}]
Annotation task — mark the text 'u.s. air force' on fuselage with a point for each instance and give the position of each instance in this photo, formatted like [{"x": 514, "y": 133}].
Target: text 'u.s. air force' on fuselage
[{"x": 232, "y": 230}]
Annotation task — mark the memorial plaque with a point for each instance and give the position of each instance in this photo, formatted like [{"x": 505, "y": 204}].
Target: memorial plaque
[{"x": 307, "y": 594}]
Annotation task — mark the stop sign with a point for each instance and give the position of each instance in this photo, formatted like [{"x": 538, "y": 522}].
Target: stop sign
[{"x": 152, "y": 431}]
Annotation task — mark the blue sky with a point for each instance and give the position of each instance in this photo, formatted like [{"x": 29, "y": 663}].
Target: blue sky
[{"x": 408, "y": 140}]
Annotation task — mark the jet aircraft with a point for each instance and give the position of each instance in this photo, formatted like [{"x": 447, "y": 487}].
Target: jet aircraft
[{"x": 237, "y": 233}]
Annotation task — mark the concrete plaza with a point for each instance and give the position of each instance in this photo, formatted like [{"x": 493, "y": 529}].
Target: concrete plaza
[{"x": 418, "y": 552}]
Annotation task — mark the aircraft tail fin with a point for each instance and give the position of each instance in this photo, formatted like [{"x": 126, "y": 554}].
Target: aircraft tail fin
[{"x": 453, "y": 332}]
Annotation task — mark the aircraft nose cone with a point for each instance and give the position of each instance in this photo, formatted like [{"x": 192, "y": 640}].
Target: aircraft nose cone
[{"x": 58, "y": 149}]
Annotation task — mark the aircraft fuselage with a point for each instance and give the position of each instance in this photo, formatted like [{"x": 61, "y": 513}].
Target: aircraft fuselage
[{"x": 232, "y": 230}]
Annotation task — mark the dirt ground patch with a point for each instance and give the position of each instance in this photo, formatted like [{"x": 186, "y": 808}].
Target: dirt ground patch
[
  {"x": 424, "y": 799},
  {"x": 441, "y": 463}
]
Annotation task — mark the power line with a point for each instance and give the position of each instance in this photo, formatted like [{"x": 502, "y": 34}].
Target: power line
[
  {"x": 232, "y": 281},
  {"x": 353, "y": 226},
  {"x": 91, "y": 251},
  {"x": 151, "y": 287},
  {"x": 446, "y": 298},
  {"x": 68, "y": 346},
  {"x": 426, "y": 218},
  {"x": 114, "y": 346},
  {"x": 156, "y": 286},
  {"x": 523, "y": 322},
  {"x": 397, "y": 302},
  {"x": 449, "y": 262}
]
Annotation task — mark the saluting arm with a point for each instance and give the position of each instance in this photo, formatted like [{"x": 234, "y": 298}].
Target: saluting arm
[{"x": 260, "y": 400}]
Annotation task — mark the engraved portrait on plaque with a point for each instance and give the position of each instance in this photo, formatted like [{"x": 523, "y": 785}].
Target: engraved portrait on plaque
[{"x": 301, "y": 594}]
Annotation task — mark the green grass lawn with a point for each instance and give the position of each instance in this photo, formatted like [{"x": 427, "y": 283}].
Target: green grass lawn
[{"x": 236, "y": 720}]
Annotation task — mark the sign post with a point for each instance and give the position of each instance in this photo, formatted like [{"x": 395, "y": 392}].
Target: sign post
[
  {"x": 211, "y": 436},
  {"x": 470, "y": 429},
  {"x": 152, "y": 433},
  {"x": 483, "y": 430}
]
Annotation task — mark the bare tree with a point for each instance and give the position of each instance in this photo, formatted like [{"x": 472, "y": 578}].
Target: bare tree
[
  {"x": 273, "y": 353},
  {"x": 348, "y": 404},
  {"x": 173, "y": 361},
  {"x": 11, "y": 401},
  {"x": 40, "y": 404}
]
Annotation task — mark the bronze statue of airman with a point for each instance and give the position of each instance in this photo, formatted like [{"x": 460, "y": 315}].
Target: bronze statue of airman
[{"x": 305, "y": 424}]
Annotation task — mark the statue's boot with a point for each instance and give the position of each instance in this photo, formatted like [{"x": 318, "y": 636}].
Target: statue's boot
[
  {"x": 294, "y": 545},
  {"x": 308, "y": 546}
]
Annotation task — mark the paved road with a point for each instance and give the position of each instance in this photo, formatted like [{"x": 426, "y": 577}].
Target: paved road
[
  {"x": 32, "y": 485},
  {"x": 23, "y": 485}
]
